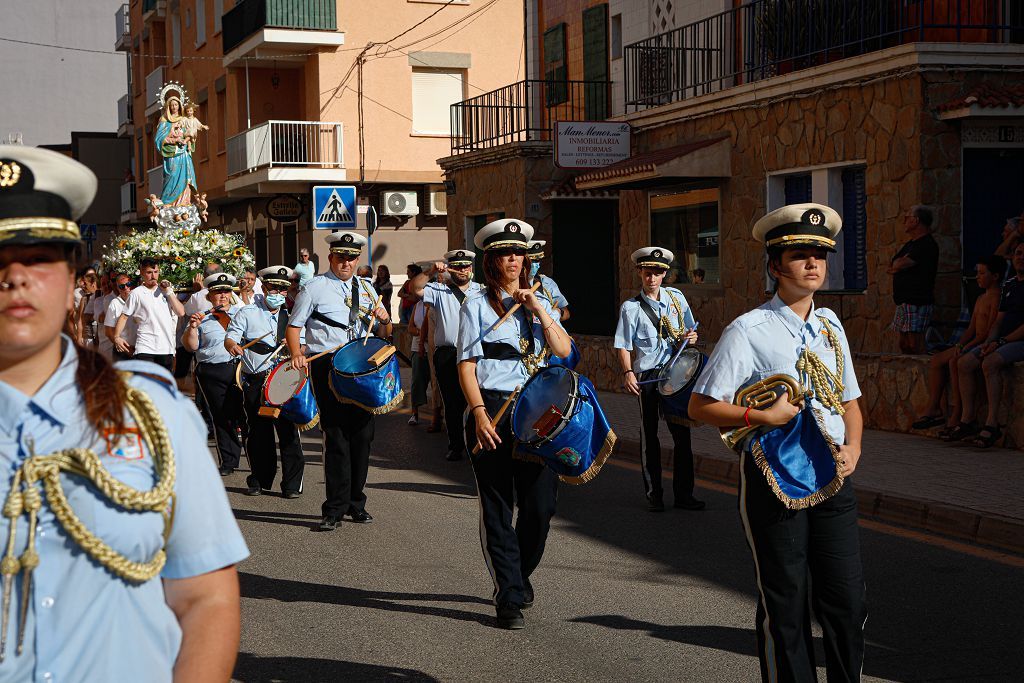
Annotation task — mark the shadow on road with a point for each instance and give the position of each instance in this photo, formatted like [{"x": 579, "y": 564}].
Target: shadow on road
[
  {"x": 460, "y": 491},
  {"x": 285, "y": 590},
  {"x": 275, "y": 517},
  {"x": 251, "y": 668}
]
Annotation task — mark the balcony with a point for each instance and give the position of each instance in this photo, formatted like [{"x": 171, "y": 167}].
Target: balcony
[
  {"x": 123, "y": 39},
  {"x": 154, "y": 181},
  {"x": 270, "y": 156},
  {"x": 524, "y": 112},
  {"x": 275, "y": 30},
  {"x": 767, "y": 38},
  {"x": 154, "y": 81},
  {"x": 125, "y": 127},
  {"x": 128, "y": 201},
  {"x": 153, "y": 9}
]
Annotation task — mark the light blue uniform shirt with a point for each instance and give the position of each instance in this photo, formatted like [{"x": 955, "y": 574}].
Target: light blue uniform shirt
[
  {"x": 249, "y": 323},
  {"x": 211, "y": 339},
  {"x": 330, "y": 296},
  {"x": 549, "y": 290},
  {"x": 444, "y": 310},
  {"x": 85, "y": 624},
  {"x": 475, "y": 321},
  {"x": 768, "y": 341},
  {"x": 306, "y": 272},
  {"x": 636, "y": 332}
]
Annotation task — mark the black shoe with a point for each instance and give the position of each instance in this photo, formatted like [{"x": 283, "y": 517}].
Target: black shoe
[
  {"x": 655, "y": 503},
  {"x": 928, "y": 422},
  {"x": 225, "y": 471},
  {"x": 511, "y": 617},
  {"x": 329, "y": 523},
  {"x": 453, "y": 456},
  {"x": 254, "y": 490},
  {"x": 291, "y": 494},
  {"x": 689, "y": 503},
  {"x": 360, "y": 516},
  {"x": 528, "y": 596}
]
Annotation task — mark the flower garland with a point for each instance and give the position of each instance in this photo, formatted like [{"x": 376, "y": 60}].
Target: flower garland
[{"x": 181, "y": 253}]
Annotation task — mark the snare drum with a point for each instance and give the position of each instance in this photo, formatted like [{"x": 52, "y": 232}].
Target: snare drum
[
  {"x": 357, "y": 379},
  {"x": 557, "y": 420},
  {"x": 675, "y": 384},
  {"x": 290, "y": 391}
]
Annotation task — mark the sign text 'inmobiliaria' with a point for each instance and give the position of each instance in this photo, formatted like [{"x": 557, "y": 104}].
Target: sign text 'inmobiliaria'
[{"x": 590, "y": 144}]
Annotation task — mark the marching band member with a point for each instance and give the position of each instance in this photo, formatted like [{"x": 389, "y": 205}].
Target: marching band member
[
  {"x": 653, "y": 324},
  {"x": 335, "y": 308},
  {"x": 493, "y": 361},
  {"x": 548, "y": 288},
  {"x": 267, "y": 316},
  {"x": 95, "y": 461},
  {"x": 444, "y": 301},
  {"x": 815, "y": 537},
  {"x": 215, "y": 368}
]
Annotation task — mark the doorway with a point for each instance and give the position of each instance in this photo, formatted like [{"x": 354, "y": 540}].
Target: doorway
[
  {"x": 993, "y": 181},
  {"x": 584, "y": 238}
]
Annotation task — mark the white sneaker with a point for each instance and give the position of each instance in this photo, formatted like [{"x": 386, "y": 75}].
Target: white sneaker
[{"x": 413, "y": 420}]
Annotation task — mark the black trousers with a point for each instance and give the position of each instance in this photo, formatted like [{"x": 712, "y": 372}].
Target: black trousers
[
  {"x": 446, "y": 369},
  {"x": 259, "y": 442},
  {"x": 216, "y": 383},
  {"x": 511, "y": 553},
  {"x": 650, "y": 447},
  {"x": 348, "y": 433},
  {"x": 165, "y": 360},
  {"x": 813, "y": 551}
]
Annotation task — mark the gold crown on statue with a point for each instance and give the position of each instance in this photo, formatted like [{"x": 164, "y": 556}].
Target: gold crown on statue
[{"x": 173, "y": 86}]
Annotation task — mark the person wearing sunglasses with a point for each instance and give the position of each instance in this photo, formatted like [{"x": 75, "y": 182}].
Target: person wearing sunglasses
[{"x": 115, "y": 308}]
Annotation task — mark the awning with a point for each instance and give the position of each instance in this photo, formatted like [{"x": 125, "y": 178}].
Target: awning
[
  {"x": 701, "y": 159},
  {"x": 567, "y": 190},
  {"x": 985, "y": 100}
]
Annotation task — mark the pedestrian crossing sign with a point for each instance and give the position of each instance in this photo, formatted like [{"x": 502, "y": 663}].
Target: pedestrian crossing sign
[{"x": 334, "y": 207}]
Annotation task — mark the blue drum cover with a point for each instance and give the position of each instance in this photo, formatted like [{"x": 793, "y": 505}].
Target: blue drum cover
[
  {"x": 799, "y": 460},
  {"x": 676, "y": 408},
  {"x": 579, "y": 451},
  {"x": 302, "y": 409},
  {"x": 571, "y": 362},
  {"x": 355, "y": 380}
]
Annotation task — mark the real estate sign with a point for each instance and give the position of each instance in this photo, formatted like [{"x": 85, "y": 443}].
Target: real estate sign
[{"x": 590, "y": 144}]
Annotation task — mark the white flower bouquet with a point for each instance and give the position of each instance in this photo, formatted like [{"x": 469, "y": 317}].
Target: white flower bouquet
[{"x": 181, "y": 253}]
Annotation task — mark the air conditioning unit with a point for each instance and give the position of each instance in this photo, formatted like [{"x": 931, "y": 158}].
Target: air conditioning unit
[
  {"x": 437, "y": 203},
  {"x": 398, "y": 204}
]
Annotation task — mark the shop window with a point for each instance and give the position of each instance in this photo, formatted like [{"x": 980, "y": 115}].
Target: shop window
[{"x": 687, "y": 224}]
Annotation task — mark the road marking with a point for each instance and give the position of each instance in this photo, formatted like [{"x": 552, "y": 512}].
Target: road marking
[{"x": 874, "y": 525}]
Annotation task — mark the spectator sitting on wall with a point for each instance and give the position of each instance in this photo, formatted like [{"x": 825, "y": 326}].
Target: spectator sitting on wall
[
  {"x": 1003, "y": 346},
  {"x": 913, "y": 271},
  {"x": 942, "y": 370},
  {"x": 406, "y": 293},
  {"x": 698, "y": 276}
]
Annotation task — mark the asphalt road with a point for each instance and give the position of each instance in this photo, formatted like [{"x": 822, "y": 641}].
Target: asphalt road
[{"x": 622, "y": 594}]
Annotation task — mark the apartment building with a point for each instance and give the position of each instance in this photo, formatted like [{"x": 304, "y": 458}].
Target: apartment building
[
  {"x": 299, "y": 93},
  {"x": 735, "y": 108}
]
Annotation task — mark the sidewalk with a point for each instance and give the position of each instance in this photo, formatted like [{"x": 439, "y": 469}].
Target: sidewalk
[{"x": 950, "y": 489}]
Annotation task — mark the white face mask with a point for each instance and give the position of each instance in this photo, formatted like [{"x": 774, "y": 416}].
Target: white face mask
[
  {"x": 275, "y": 301},
  {"x": 534, "y": 269}
]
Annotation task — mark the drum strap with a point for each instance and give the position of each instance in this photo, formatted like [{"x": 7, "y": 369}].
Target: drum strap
[
  {"x": 649, "y": 311},
  {"x": 501, "y": 351},
  {"x": 261, "y": 348},
  {"x": 353, "y": 311},
  {"x": 460, "y": 296},
  {"x": 282, "y": 323}
]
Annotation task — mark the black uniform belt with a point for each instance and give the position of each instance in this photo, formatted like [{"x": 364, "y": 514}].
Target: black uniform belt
[
  {"x": 501, "y": 351},
  {"x": 320, "y": 317},
  {"x": 261, "y": 347}
]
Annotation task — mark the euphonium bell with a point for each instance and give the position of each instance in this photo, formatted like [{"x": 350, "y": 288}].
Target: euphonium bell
[{"x": 760, "y": 395}]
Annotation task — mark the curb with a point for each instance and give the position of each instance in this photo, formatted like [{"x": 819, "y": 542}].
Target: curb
[{"x": 995, "y": 531}]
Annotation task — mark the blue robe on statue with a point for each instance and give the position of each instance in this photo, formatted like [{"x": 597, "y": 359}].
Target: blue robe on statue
[{"x": 179, "y": 173}]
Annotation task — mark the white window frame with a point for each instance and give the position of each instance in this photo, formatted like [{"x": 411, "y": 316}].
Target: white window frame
[{"x": 460, "y": 75}]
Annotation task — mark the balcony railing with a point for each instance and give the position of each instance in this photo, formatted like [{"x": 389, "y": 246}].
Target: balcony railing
[
  {"x": 525, "y": 111},
  {"x": 249, "y": 16},
  {"x": 128, "y": 198},
  {"x": 766, "y": 38},
  {"x": 124, "y": 111},
  {"x": 122, "y": 27},
  {"x": 154, "y": 81},
  {"x": 155, "y": 181},
  {"x": 310, "y": 144}
]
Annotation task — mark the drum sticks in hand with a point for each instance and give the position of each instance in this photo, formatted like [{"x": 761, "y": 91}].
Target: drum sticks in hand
[
  {"x": 501, "y": 413},
  {"x": 373, "y": 319},
  {"x": 509, "y": 312}
]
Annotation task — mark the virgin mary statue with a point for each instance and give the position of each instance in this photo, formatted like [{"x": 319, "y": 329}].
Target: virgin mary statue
[{"x": 179, "y": 173}]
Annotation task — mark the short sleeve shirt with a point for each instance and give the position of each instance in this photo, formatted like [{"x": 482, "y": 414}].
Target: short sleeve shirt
[
  {"x": 114, "y": 310},
  {"x": 445, "y": 309},
  {"x": 549, "y": 290},
  {"x": 635, "y": 331},
  {"x": 250, "y": 323},
  {"x": 331, "y": 297},
  {"x": 916, "y": 285},
  {"x": 1011, "y": 305},
  {"x": 211, "y": 339},
  {"x": 156, "y": 321}
]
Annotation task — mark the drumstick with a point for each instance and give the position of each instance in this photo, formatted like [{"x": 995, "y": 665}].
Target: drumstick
[
  {"x": 373, "y": 318},
  {"x": 323, "y": 353},
  {"x": 247, "y": 345},
  {"x": 509, "y": 312},
  {"x": 500, "y": 414}
]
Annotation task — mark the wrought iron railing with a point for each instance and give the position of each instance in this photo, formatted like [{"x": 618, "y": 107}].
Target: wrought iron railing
[
  {"x": 314, "y": 144},
  {"x": 249, "y": 16},
  {"x": 525, "y": 111},
  {"x": 766, "y": 38}
]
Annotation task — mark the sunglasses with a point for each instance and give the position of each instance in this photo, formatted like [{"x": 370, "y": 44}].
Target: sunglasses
[
  {"x": 509, "y": 252},
  {"x": 125, "y": 285}
]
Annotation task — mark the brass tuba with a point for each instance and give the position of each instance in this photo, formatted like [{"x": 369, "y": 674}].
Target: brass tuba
[{"x": 761, "y": 395}]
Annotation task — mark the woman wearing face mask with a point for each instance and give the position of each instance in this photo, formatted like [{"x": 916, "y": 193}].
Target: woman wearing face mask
[
  {"x": 493, "y": 361},
  {"x": 117, "y": 522},
  {"x": 548, "y": 287}
]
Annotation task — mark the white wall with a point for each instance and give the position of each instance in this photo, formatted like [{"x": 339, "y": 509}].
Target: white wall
[{"x": 46, "y": 93}]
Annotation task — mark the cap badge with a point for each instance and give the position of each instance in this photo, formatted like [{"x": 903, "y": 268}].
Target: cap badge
[
  {"x": 346, "y": 238},
  {"x": 513, "y": 227},
  {"x": 815, "y": 217},
  {"x": 222, "y": 278},
  {"x": 656, "y": 253},
  {"x": 460, "y": 254},
  {"x": 10, "y": 173},
  {"x": 282, "y": 271}
]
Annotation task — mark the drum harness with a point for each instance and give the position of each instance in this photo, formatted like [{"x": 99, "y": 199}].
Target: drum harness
[
  {"x": 527, "y": 354},
  {"x": 353, "y": 312},
  {"x": 24, "y": 498},
  {"x": 675, "y": 333}
]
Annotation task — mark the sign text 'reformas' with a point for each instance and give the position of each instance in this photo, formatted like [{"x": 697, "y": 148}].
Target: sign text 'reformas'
[{"x": 590, "y": 144}]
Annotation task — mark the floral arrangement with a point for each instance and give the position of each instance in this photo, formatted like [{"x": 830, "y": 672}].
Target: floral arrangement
[{"x": 182, "y": 253}]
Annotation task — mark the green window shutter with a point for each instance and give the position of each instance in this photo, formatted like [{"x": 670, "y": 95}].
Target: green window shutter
[
  {"x": 555, "y": 69},
  {"x": 595, "y": 61}
]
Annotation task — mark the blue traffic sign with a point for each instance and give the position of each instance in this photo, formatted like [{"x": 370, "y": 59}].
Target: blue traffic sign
[{"x": 334, "y": 207}]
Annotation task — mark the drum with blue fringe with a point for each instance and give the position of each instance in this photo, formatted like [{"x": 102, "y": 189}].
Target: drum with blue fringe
[
  {"x": 676, "y": 381},
  {"x": 291, "y": 392},
  {"x": 356, "y": 379},
  {"x": 571, "y": 362},
  {"x": 557, "y": 420}
]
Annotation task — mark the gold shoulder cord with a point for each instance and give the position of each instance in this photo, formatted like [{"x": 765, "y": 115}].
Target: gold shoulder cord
[
  {"x": 828, "y": 386},
  {"x": 24, "y": 498},
  {"x": 675, "y": 333}
]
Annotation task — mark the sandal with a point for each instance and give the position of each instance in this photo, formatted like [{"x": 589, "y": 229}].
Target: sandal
[
  {"x": 927, "y": 422},
  {"x": 962, "y": 431},
  {"x": 988, "y": 436}
]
